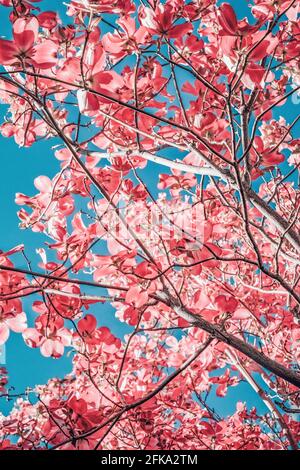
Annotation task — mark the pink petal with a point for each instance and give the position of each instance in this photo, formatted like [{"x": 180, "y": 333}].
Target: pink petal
[
  {"x": 253, "y": 76},
  {"x": 201, "y": 300},
  {"x": 45, "y": 55},
  {"x": 98, "y": 58},
  {"x": 47, "y": 348},
  {"x": 136, "y": 297},
  {"x": 241, "y": 314},
  {"x": 43, "y": 184},
  {"x": 221, "y": 390},
  {"x": 105, "y": 335},
  {"x": 113, "y": 43},
  {"x": 260, "y": 51},
  {"x": 25, "y": 32},
  {"x": 227, "y": 19},
  {"x": 180, "y": 30},
  {"x": 57, "y": 349},
  {"x": 87, "y": 102},
  {"x": 14, "y": 250},
  {"x": 18, "y": 324},
  {"x": 4, "y": 333},
  {"x": 108, "y": 80},
  {"x": 32, "y": 337},
  {"x": 228, "y": 45},
  {"x": 78, "y": 224},
  {"x": 87, "y": 325},
  {"x": 8, "y": 51},
  {"x": 47, "y": 19},
  {"x": 226, "y": 303},
  {"x": 128, "y": 24},
  {"x": 65, "y": 337}
]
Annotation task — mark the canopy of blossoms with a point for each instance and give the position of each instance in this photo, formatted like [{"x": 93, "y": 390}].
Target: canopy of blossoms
[{"x": 174, "y": 124}]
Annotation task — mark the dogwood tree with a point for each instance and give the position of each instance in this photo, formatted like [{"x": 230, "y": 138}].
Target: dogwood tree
[{"x": 176, "y": 201}]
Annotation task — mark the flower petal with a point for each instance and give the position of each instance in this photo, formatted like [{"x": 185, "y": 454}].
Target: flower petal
[
  {"x": 18, "y": 324},
  {"x": 4, "y": 333},
  {"x": 25, "y": 32},
  {"x": 8, "y": 51}
]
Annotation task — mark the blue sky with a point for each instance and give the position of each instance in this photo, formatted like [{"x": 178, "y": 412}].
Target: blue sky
[{"x": 20, "y": 166}]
